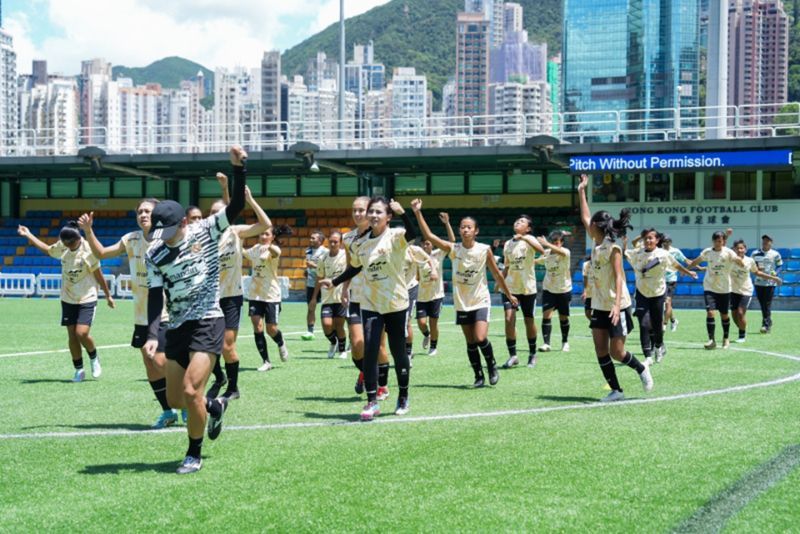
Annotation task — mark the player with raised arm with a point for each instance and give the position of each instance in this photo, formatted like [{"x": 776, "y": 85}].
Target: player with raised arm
[
  {"x": 470, "y": 290},
  {"x": 742, "y": 287},
  {"x": 264, "y": 297},
  {"x": 184, "y": 263},
  {"x": 650, "y": 263},
  {"x": 557, "y": 288},
  {"x": 717, "y": 285},
  {"x": 135, "y": 245},
  {"x": 380, "y": 255},
  {"x": 672, "y": 281},
  {"x": 230, "y": 282},
  {"x": 416, "y": 258},
  {"x": 80, "y": 272},
  {"x": 611, "y": 302},
  {"x": 519, "y": 255},
  {"x": 431, "y": 296},
  {"x": 332, "y": 313}
]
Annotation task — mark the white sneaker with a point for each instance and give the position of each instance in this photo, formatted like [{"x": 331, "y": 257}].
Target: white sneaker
[
  {"x": 265, "y": 367},
  {"x": 284, "y": 352},
  {"x": 96, "y": 369},
  {"x": 426, "y": 342},
  {"x": 648, "y": 361},
  {"x": 763, "y": 330},
  {"x": 710, "y": 345},
  {"x": 565, "y": 347},
  {"x": 741, "y": 339},
  {"x": 432, "y": 352},
  {"x": 343, "y": 355},
  {"x": 614, "y": 396},
  {"x": 726, "y": 343},
  {"x": 660, "y": 353},
  {"x": 673, "y": 325},
  {"x": 544, "y": 348},
  {"x": 647, "y": 379},
  {"x": 331, "y": 350},
  {"x": 79, "y": 376}
]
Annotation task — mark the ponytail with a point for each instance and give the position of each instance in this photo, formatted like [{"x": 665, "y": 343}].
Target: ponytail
[
  {"x": 70, "y": 232},
  {"x": 280, "y": 231},
  {"x": 613, "y": 228}
]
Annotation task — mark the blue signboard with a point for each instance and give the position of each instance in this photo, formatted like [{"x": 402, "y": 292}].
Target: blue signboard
[{"x": 666, "y": 162}]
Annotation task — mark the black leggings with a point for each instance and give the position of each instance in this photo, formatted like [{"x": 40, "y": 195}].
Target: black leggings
[
  {"x": 765, "y": 294},
  {"x": 650, "y": 312},
  {"x": 395, "y": 325}
]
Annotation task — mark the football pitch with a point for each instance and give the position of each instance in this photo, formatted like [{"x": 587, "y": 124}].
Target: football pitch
[{"x": 715, "y": 446}]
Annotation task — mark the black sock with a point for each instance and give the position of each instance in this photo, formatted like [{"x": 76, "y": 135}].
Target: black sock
[
  {"x": 232, "y": 370},
  {"x": 631, "y": 361},
  {"x": 383, "y": 375},
  {"x": 564, "y": 331},
  {"x": 409, "y": 349},
  {"x": 711, "y": 326},
  {"x": 78, "y": 364},
  {"x": 358, "y": 363},
  {"x": 742, "y": 333},
  {"x": 331, "y": 338},
  {"x": 213, "y": 408},
  {"x": 403, "y": 376},
  {"x": 434, "y": 342},
  {"x": 475, "y": 359},
  {"x": 488, "y": 353},
  {"x": 310, "y": 328},
  {"x": 609, "y": 372},
  {"x": 261, "y": 345},
  {"x": 726, "y": 328},
  {"x": 195, "y": 446},
  {"x": 160, "y": 390},
  {"x": 92, "y": 354},
  {"x": 547, "y": 328},
  {"x": 532, "y": 345},
  {"x": 425, "y": 332},
  {"x": 278, "y": 338},
  {"x": 512, "y": 347},
  {"x": 341, "y": 343},
  {"x": 218, "y": 375}
]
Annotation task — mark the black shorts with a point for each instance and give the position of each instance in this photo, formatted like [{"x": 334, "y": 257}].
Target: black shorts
[
  {"x": 473, "y": 316},
  {"x": 559, "y": 301},
  {"x": 527, "y": 303},
  {"x": 309, "y": 293},
  {"x": 601, "y": 320},
  {"x": 413, "y": 295},
  {"x": 333, "y": 310},
  {"x": 740, "y": 301},
  {"x": 232, "y": 310},
  {"x": 354, "y": 313},
  {"x": 717, "y": 301},
  {"x": 204, "y": 335},
  {"x": 432, "y": 309},
  {"x": 270, "y": 311},
  {"x": 587, "y": 304},
  {"x": 671, "y": 288},
  {"x": 140, "y": 336},
  {"x": 77, "y": 313}
]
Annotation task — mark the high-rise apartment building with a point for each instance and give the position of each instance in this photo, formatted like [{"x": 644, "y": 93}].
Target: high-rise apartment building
[
  {"x": 645, "y": 58},
  {"x": 49, "y": 113},
  {"x": 138, "y": 116},
  {"x": 513, "y": 100},
  {"x": 237, "y": 106},
  {"x": 554, "y": 81},
  {"x": 512, "y": 18},
  {"x": 271, "y": 97},
  {"x": 517, "y": 59},
  {"x": 494, "y": 12},
  {"x": 98, "y": 101},
  {"x": 472, "y": 64},
  {"x": 409, "y": 103},
  {"x": 758, "y": 58},
  {"x": 9, "y": 110}
]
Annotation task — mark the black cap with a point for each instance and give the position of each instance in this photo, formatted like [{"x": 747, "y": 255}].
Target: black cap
[
  {"x": 666, "y": 237},
  {"x": 166, "y": 218},
  {"x": 765, "y": 236}
]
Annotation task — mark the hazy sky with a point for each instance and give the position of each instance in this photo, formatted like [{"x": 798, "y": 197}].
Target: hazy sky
[{"x": 137, "y": 32}]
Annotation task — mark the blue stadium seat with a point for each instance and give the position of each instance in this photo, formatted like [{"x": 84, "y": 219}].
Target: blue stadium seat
[
  {"x": 630, "y": 276},
  {"x": 795, "y": 254},
  {"x": 792, "y": 265},
  {"x": 797, "y": 291},
  {"x": 577, "y": 288},
  {"x": 682, "y": 290},
  {"x": 786, "y": 291},
  {"x": 790, "y": 277},
  {"x": 696, "y": 289},
  {"x": 784, "y": 252}
]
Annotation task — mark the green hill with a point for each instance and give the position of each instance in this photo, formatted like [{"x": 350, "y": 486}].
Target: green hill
[
  {"x": 418, "y": 33},
  {"x": 169, "y": 72}
]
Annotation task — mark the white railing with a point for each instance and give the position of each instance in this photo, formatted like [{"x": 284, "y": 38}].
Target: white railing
[
  {"x": 17, "y": 285},
  {"x": 765, "y": 120},
  {"x": 124, "y": 286},
  {"x": 48, "y": 285}
]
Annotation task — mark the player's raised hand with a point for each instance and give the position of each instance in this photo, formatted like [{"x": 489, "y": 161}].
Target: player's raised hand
[
  {"x": 222, "y": 178},
  {"x": 23, "y": 231},
  {"x": 444, "y": 217},
  {"x": 416, "y": 205},
  {"x": 238, "y": 156},
  {"x": 396, "y": 208},
  {"x": 86, "y": 221},
  {"x": 584, "y": 182}
]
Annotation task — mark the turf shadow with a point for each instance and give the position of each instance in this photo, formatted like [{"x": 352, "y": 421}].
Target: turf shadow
[
  {"x": 445, "y": 386},
  {"x": 331, "y": 399},
  {"x": 46, "y": 381},
  {"x": 136, "y": 467},
  {"x": 343, "y": 417},
  {"x": 567, "y": 398},
  {"x": 97, "y": 426}
]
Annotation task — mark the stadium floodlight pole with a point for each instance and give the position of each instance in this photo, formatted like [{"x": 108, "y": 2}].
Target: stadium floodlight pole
[{"x": 341, "y": 73}]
